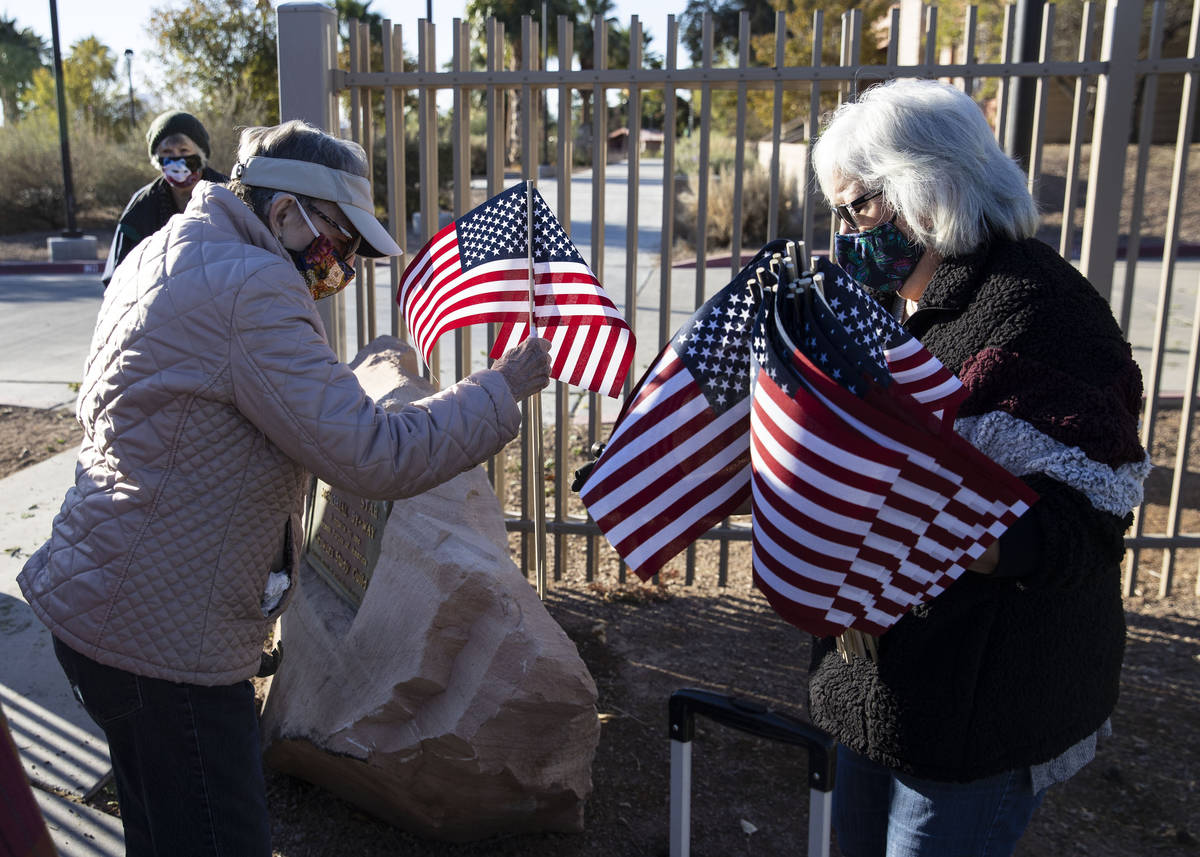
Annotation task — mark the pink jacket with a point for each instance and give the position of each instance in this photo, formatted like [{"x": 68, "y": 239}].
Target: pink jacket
[{"x": 210, "y": 395}]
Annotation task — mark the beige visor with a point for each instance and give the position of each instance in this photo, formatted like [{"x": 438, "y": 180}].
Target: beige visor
[{"x": 351, "y": 193}]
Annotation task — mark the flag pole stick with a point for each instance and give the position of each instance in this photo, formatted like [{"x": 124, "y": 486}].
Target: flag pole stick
[{"x": 537, "y": 482}]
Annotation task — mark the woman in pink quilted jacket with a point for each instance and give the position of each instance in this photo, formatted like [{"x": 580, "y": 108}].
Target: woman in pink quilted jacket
[{"x": 209, "y": 399}]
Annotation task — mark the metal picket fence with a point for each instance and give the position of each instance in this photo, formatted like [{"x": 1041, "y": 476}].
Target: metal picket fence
[{"x": 1126, "y": 82}]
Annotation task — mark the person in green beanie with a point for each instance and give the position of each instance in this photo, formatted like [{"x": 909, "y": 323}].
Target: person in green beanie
[{"x": 178, "y": 146}]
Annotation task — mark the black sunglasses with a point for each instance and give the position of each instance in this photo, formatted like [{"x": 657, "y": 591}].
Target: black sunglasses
[
  {"x": 193, "y": 162},
  {"x": 847, "y": 210}
]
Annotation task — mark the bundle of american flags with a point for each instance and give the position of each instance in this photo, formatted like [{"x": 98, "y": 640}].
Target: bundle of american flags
[
  {"x": 477, "y": 269},
  {"x": 799, "y": 391}
]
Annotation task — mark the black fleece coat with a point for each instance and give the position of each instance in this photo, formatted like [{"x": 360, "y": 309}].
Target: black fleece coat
[
  {"x": 147, "y": 212},
  {"x": 1008, "y": 670}
]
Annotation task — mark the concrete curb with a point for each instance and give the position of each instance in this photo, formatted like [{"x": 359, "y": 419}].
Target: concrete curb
[{"x": 79, "y": 267}]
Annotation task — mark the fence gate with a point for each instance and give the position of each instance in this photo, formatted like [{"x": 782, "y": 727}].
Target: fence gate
[{"x": 667, "y": 174}]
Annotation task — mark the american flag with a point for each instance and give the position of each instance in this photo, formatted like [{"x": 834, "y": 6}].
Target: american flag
[
  {"x": 909, "y": 363},
  {"x": 476, "y": 269},
  {"x": 862, "y": 505},
  {"x": 940, "y": 460},
  {"x": 678, "y": 459}
]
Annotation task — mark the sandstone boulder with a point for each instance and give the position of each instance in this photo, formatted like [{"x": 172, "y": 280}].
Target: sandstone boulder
[{"x": 450, "y": 703}]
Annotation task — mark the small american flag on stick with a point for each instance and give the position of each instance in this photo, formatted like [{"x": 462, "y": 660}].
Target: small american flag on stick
[
  {"x": 476, "y": 269},
  {"x": 678, "y": 460}
]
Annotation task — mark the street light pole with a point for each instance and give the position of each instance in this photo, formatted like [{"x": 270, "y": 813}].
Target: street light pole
[
  {"x": 544, "y": 98},
  {"x": 68, "y": 185},
  {"x": 129, "y": 72}
]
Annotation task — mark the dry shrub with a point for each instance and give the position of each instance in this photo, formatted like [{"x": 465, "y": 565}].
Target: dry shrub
[
  {"x": 224, "y": 118},
  {"x": 756, "y": 206},
  {"x": 104, "y": 173}
]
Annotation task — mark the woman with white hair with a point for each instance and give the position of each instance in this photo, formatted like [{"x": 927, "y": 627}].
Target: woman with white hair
[
  {"x": 209, "y": 399},
  {"x": 977, "y": 701}
]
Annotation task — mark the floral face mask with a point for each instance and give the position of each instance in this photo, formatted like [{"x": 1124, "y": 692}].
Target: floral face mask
[
  {"x": 182, "y": 170},
  {"x": 320, "y": 263},
  {"x": 879, "y": 258}
]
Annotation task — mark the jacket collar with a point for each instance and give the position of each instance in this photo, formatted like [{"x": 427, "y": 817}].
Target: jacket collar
[
  {"x": 954, "y": 283},
  {"x": 223, "y": 209}
]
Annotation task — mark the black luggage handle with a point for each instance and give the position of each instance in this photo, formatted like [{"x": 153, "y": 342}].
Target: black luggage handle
[{"x": 749, "y": 716}]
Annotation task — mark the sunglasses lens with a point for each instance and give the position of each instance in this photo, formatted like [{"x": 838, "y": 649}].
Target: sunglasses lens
[
  {"x": 352, "y": 241},
  {"x": 192, "y": 162}
]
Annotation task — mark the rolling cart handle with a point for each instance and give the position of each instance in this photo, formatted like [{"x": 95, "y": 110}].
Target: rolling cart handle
[{"x": 756, "y": 719}]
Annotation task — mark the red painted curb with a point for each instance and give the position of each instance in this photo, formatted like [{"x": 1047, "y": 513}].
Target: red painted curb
[{"x": 74, "y": 267}]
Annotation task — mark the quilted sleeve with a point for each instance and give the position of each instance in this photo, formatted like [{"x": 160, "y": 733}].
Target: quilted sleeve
[{"x": 290, "y": 384}]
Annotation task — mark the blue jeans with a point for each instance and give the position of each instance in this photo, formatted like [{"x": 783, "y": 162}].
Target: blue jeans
[
  {"x": 878, "y": 811},
  {"x": 186, "y": 760}
]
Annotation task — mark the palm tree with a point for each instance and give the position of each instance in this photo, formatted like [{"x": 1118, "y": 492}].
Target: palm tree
[
  {"x": 22, "y": 52},
  {"x": 585, "y": 47},
  {"x": 509, "y": 12}
]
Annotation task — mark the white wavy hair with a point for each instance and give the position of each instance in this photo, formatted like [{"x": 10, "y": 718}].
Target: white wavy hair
[{"x": 928, "y": 147}]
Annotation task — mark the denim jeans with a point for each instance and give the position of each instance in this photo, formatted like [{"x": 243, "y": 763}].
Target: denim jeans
[
  {"x": 186, "y": 761},
  {"x": 878, "y": 811}
]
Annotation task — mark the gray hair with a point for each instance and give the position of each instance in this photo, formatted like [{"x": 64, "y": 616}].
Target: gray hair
[
  {"x": 298, "y": 141},
  {"x": 928, "y": 147}
]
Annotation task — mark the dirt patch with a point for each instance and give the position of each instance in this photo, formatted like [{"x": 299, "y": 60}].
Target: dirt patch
[
  {"x": 1140, "y": 796},
  {"x": 28, "y": 435}
]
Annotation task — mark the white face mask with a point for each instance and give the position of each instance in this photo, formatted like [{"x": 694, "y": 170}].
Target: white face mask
[{"x": 181, "y": 170}]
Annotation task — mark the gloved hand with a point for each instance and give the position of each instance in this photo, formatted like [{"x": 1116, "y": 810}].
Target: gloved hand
[{"x": 526, "y": 367}]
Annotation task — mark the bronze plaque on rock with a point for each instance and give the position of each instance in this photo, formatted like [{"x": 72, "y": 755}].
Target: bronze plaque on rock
[{"x": 343, "y": 534}]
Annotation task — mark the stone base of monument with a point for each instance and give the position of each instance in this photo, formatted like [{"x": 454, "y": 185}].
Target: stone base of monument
[
  {"x": 63, "y": 249},
  {"x": 449, "y": 702}
]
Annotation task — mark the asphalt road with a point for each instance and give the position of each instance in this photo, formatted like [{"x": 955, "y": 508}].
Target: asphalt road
[{"x": 49, "y": 317}]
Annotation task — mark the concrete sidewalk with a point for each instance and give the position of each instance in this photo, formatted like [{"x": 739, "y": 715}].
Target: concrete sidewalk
[
  {"x": 48, "y": 326},
  {"x": 63, "y": 751}
]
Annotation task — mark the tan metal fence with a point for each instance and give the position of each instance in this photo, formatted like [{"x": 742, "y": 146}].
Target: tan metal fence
[{"x": 1087, "y": 108}]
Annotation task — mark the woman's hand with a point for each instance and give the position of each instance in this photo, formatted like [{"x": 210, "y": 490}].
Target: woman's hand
[
  {"x": 526, "y": 367},
  {"x": 988, "y": 560}
]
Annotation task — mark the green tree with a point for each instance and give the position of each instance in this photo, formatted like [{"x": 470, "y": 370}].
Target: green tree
[
  {"x": 221, "y": 51},
  {"x": 618, "y": 57},
  {"x": 585, "y": 47},
  {"x": 22, "y": 52},
  {"x": 354, "y": 10},
  {"x": 798, "y": 20},
  {"x": 726, "y": 23},
  {"x": 92, "y": 86},
  {"x": 509, "y": 13}
]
